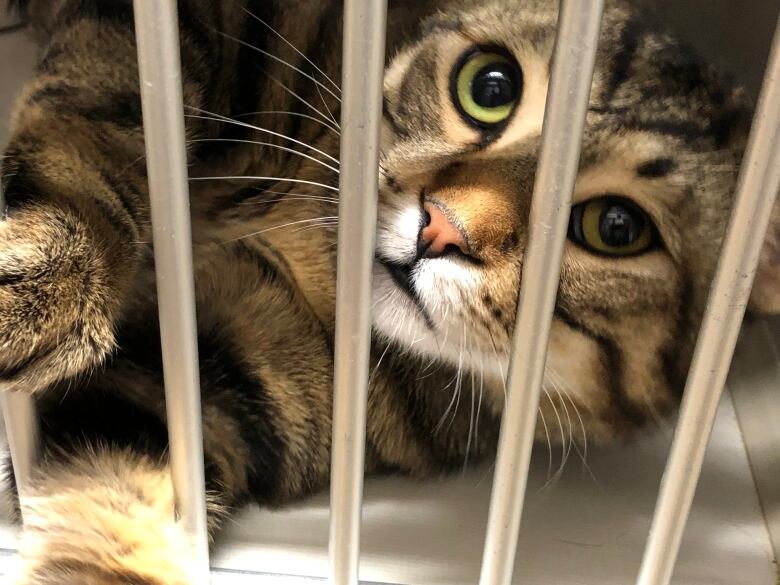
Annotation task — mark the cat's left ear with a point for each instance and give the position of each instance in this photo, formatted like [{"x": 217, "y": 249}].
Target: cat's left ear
[{"x": 765, "y": 297}]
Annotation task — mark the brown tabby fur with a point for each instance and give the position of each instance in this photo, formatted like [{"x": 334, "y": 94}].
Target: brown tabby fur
[{"x": 78, "y": 320}]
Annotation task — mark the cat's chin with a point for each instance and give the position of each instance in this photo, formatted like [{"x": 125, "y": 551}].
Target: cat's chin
[
  {"x": 399, "y": 316},
  {"x": 397, "y": 311}
]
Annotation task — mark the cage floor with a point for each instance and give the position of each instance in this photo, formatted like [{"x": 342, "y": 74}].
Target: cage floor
[{"x": 587, "y": 527}]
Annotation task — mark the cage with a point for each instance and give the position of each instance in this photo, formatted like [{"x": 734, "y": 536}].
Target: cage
[{"x": 592, "y": 525}]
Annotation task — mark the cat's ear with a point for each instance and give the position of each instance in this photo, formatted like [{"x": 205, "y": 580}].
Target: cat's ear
[{"x": 765, "y": 297}]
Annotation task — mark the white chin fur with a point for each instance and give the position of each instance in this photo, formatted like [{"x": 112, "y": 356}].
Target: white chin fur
[
  {"x": 397, "y": 234},
  {"x": 440, "y": 285},
  {"x": 397, "y": 317}
]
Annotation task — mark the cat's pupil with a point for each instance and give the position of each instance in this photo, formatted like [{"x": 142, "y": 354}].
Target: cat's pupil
[
  {"x": 494, "y": 86},
  {"x": 619, "y": 226}
]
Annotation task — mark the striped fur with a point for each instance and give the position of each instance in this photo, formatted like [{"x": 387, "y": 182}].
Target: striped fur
[{"x": 78, "y": 321}]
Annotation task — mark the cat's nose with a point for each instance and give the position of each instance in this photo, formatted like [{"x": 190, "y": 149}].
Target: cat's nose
[{"x": 439, "y": 235}]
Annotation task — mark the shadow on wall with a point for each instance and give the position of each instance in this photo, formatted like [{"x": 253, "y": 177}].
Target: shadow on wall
[{"x": 734, "y": 34}]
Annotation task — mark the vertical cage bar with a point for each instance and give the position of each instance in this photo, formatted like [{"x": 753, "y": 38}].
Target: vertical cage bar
[
  {"x": 567, "y": 101},
  {"x": 757, "y": 189},
  {"x": 21, "y": 425},
  {"x": 362, "y": 75},
  {"x": 159, "y": 59}
]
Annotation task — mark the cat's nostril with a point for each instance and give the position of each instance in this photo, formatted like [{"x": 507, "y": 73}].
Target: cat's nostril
[
  {"x": 451, "y": 249},
  {"x": 439, "y": 236}
]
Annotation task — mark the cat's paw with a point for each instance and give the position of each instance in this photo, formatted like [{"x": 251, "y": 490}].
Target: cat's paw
[
  {"x": 104, "y": 518},
  {"x": 56, "y": 297},
  {"x": 79, "y": 572}
]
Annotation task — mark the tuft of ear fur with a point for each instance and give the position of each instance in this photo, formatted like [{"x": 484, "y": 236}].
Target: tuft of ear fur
[{"x": 765, "y": 297}]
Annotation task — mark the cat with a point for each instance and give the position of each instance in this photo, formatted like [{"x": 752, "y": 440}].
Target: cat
[{"x": 464, "y": 97}]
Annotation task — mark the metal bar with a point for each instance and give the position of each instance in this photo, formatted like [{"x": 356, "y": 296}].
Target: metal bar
[
  {"x": 753, "y": 381},
  {"x": 159, "y": 60},
  {"x": 757, "y": 189},
  {"x": 362, "y": 76},
  {"x": 21, "y": 426},
  {"x": 567, "y": 101}
]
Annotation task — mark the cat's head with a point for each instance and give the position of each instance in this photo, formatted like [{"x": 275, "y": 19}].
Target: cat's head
[{"x": 463, "y": 112}]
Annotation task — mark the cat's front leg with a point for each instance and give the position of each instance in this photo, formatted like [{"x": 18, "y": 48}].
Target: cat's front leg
[
  {"x": 105, "y": 517},
  {"x": 62, "y": 280},
  {"x": 74, "y": 180}
]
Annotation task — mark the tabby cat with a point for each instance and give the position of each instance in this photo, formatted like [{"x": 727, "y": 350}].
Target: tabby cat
[{"x": 464, "y": 97}]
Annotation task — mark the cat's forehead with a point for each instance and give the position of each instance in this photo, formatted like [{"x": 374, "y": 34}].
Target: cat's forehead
[
  {"x": 662, "y": 128},
  {"x": 645, "y": 81},
  {"x": 638, "y": 62}
]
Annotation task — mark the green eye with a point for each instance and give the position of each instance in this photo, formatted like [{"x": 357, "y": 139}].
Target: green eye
[
  {"x": 486, "y": 86},
  {"x": 613, "y": 226}
]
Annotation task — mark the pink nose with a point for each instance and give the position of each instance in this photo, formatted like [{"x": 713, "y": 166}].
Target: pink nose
[{"x": 441, "y": 232}]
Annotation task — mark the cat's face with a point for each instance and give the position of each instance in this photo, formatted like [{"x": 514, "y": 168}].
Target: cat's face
[{"x": 463, "y": 116}]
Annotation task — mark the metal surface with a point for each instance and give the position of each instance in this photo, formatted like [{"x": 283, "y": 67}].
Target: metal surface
[
  {"x": 21, "y": 426},
  {"x": 753, "y": 380},
  {"x": 567, "y": 101},
  {"x": 157, "y": 33},
  {"x": 362, "y": 76},
  {"x": 756, "y": 191}
]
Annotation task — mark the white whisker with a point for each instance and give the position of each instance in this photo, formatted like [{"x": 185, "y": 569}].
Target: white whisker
[
  {"x": 270, "y": 145},
  {"x": 471, "y": 426},
  {"x": 296, "y": 114},
  {"x": 557, "y": 474},
  {"x": 278, "y": 227},
  {"x": 293, "y": 198},
  {"x": 293, "y": 47},
  {"x": 280, "y": 179},
  {"x": 317, "y": 226},
  {"x": 279, "y": 60},
  {"x": 327, "y": 108},
  {"x": 452, "y": 402},
  {"x": 325, "y": 198},
  {"x": 303, "y": 100},
  {"x": 479, "y": 401},
  {"x": 567, "y": 452},
  {"x": 226, "y": 120},
  {"x": 584, "y": 453},
  {"x": 378, "y": 363},
  {"x": 549, "y": 448}
]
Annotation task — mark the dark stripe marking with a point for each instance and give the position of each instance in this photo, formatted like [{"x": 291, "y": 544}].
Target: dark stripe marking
[
  {"x": 624, "y": 59},
  {"x": 657, "y": 168},
  {"x": 612, "y": 362},
  {"x": 122, "y": 108},
  {"x": 232, "y": 386},
  {"x": 671, "y": 353}
]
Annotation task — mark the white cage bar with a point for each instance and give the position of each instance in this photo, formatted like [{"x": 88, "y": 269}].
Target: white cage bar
[
  {"x": 757, "y": 189},
  {"x": 362, "y": 75},
  {"x": 21, "y": 426},
  {"x": 157, "y": 34},
  {"x": 579, "y": 24},
  {"x": 363, "y": 64}
]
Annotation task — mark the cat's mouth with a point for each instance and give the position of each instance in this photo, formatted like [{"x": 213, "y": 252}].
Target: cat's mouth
[{"x": 401, "y": 275}]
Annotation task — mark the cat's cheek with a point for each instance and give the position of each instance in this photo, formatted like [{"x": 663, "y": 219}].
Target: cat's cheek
[
  {"x": 394, "y": 315},
  {"x": 574, "y": 365}
]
